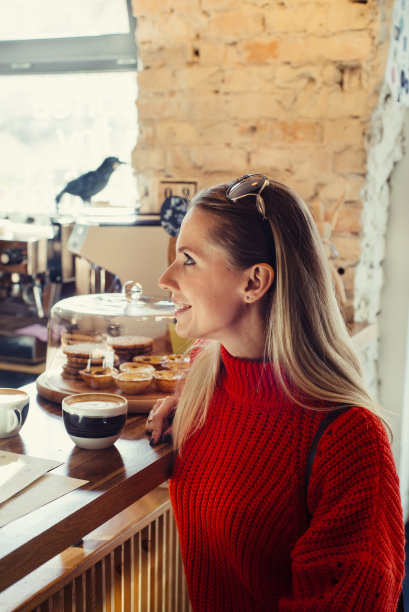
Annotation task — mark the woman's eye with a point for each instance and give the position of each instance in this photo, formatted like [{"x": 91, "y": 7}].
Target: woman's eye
[{"x": 189, "y": 260}]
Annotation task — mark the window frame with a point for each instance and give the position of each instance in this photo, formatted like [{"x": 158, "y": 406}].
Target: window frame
[{"x": 105, "y": 53}]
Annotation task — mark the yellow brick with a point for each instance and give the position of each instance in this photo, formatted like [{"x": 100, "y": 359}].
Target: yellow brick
[
  {"x": 155, "y": 80},
  {"x": 161, "y": 106},
  {"x": 259, "y": 78},
  {"x": 306, "y": 189},
  {"x": 204, "y": 107},
  {"x": 147, "y": 132},
  {"x": 348, "y": 247},
  {"x": 335, "y": 186},
  {"x": 349, "y": 219},
  {"x": 331, "y": 75},
  {"x": 312, "y": 101},
  {"x": 149, "y": 30},
  {"x": 231, "y": 25},
  {"x": 253, "y": 105},
  {"x": 273, "y": 161},
  {"x": 311, "y": 161},
  {"x": 344, "y": 47},
  {"x": 261, "y": 51},
  {"x": 198, "y": 77},
  {"x": 296, "y": 77},
  {"x": 148, "y": 157},
  {"x": 342, "y": 131},
  {"x": 153, "y": 56},
  {"x": 211, "y": 52},
  {"x": 225, "y": 158},
  {"x": 308, "y": 17},
  {"x": 351, "y": 160},
  {"x": 349, "y": 103},
  {"x": 217, "y": 5},
  {"x": 147, "y": 7},
  {"x": 174, "y": 132}
]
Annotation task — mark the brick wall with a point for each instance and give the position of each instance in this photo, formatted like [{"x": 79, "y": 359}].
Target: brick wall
[{"x": 286, "y": 88}]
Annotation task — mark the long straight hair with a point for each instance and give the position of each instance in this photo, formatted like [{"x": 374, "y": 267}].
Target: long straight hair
[{"x": 306, "y": 341}]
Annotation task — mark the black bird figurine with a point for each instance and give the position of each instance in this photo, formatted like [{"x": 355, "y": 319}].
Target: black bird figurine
[{"x": 92, "y": 182}]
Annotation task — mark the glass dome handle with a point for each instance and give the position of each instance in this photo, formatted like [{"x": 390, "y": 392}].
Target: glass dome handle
[{"x": 132, "y": 291}]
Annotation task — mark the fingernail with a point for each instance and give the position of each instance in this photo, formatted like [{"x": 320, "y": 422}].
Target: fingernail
[{"x": 167, "y": 438}]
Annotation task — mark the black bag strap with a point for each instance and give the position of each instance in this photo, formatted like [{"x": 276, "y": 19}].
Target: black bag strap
[{"x": 325, "y": 423}]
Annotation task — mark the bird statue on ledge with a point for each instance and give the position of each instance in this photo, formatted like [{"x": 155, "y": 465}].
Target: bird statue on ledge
[{"x": 92, "y": 182}]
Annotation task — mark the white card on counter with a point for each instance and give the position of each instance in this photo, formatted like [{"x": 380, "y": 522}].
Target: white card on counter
[
  {"x": 19, "y": 471},
  {"x": 44, "y": 490}
]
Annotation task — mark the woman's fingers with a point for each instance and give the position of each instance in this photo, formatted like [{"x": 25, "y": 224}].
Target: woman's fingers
[{"x": 160, "y": 418}]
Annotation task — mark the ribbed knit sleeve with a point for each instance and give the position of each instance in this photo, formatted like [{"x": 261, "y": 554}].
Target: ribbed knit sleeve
[{"x": 351, "y": 557}]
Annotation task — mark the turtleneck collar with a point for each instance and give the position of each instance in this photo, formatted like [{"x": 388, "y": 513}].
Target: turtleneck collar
[{"x": 248, "y": 380}]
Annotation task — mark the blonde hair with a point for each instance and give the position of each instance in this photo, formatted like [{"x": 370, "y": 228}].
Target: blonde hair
[{"x": 306, "y": 336}]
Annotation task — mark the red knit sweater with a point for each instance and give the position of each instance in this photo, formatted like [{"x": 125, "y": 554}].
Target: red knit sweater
[{"x": 238, "y": 497}]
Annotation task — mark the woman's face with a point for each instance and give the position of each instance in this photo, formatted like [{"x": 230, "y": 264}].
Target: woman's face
[{"x": 208, "y": 293}]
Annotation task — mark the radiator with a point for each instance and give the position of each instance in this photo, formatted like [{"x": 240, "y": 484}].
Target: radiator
[{"x": 143, "y": 573}]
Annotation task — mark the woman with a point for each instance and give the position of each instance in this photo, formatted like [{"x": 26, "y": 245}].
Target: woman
[{"x": 250, "y": 280}]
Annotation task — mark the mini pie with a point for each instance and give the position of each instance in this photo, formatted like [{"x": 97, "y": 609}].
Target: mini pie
[
  {"x": 133, "y": 366},
  {"x": 126, "y": 347},
  {"x": 175, "y": 361},
  {"x": 166, "y": 380},
  {"x": 133, "y": 383},
  {"x": 154, "y": 360},
  {"x": 85, "y": 350},
  {"x": 97, "y": 377}
]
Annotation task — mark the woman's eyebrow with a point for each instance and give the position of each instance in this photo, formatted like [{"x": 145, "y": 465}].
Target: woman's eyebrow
[{"x": 186, "y": 248}]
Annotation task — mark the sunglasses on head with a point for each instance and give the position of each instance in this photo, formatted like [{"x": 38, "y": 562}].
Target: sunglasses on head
[
  {"x": 249, "y": 185},
  {"x": 253, "y": 185}
]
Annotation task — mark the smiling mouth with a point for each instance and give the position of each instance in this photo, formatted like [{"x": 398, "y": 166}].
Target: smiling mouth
[{"x": 179, "y": 308}]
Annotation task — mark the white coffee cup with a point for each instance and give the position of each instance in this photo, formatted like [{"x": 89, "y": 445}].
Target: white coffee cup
[{"x": 14, "y": 405}]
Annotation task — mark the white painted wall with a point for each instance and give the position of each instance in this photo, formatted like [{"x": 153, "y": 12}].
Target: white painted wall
[{"x": 394, "y": 318}]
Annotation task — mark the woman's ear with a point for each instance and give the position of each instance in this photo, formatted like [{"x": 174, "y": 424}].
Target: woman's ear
[{"x": 259, "y": 280}]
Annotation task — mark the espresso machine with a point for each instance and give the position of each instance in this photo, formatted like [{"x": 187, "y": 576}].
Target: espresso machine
[{"x": 34, "y": 265}]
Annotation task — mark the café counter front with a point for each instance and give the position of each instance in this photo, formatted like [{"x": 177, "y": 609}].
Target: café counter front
[{"x": 109, "y": 544}]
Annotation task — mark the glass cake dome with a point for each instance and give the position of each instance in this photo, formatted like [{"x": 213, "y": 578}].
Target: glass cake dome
[{"x": 107, "y": 329}]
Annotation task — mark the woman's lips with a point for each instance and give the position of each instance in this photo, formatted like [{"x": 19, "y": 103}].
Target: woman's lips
[{"x": 179, "y": 308}]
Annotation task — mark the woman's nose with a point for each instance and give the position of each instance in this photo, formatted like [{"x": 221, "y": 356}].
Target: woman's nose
[{"x": 165, "y": 281}]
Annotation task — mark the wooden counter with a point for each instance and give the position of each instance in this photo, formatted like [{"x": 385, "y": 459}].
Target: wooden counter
[{"x": 118, "y": 476}]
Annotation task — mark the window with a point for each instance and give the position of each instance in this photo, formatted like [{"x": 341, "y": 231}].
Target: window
[{"x": 68, "y": 91}]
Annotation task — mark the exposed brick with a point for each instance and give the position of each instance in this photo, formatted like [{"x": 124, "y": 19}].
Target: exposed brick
[
  {"x": 335, "y": 186},
  {"x": 178, "y": 53},
  {"x": 233, "y": 25},
  {"x": 204, "y": 77},
  {"x": 156, "y": 79},
  {"x": 175, "y": 132},
  {"x": 342, "y": 131},
  {"x": 261, "y": 51},
  {"x": 296, "y": 77},
  {"x": 349, "y": 104},
  {"x": 348, "y": 247},
  {"x": 350, "y": 160},
  {"x": 252, "y": 105},
  {"x": 344, "y": 47},
  {"x": 349, "y": 220},
  {"x": 227, "y": 159},
  {"x": 149, "y": 157},
  {"x": 288, "y": 90},
  {"x": 331, "y": 18}
]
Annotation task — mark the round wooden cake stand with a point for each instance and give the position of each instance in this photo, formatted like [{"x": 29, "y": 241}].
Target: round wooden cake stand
[{"x": 55, "y": 388}]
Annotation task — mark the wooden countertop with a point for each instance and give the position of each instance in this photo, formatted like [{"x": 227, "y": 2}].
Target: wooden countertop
[{"x": 118, "y": 476}]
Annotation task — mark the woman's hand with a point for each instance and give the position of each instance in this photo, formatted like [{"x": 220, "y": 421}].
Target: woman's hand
[{"x": 159, "y": 422}]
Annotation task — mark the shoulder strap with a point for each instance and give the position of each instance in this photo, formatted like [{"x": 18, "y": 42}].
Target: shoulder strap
[{"x": 325, "y": 423}]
